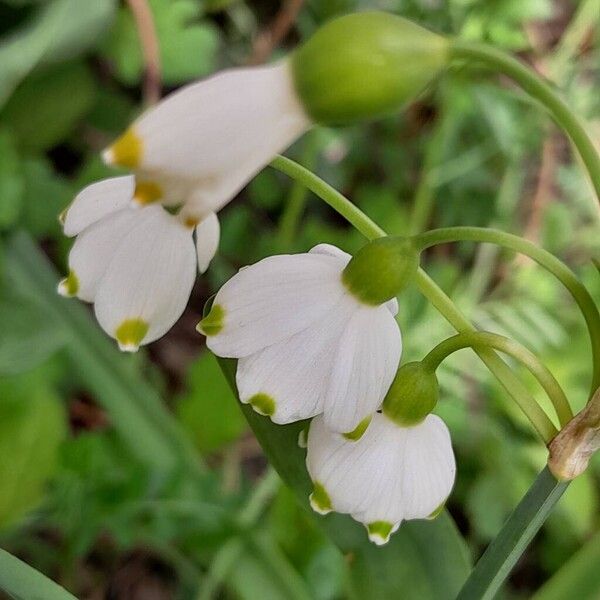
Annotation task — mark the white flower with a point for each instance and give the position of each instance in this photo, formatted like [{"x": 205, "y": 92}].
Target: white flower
[
  {"x": 305, "y": 344},
  {"x": 202, "y": 144},
  {"x": 137, "y": 265},
  {"x": 388, "y": 475}
]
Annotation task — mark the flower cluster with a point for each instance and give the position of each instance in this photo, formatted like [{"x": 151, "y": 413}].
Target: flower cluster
[{"x": 315, "y": 334}]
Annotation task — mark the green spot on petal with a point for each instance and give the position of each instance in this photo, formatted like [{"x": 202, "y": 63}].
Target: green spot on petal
[
  {"x": 130, "y": 333},
  {"x": 357, "y": 433},
  {"x": 263, "y": 404},
  {"x": 380, "y": 531},
  {"x": 213, "y": 321},
  {"x": 320, "y": 500},
  {"x": 69, "y": 286},
  {"x": 437, "y": 511}
]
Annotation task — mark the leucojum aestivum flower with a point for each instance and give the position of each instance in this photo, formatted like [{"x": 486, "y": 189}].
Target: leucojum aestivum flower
[{"x": 315, "y": 334}]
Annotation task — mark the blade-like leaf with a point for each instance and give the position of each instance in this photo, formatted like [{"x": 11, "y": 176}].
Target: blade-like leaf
[{"x": 423, "y": 560}]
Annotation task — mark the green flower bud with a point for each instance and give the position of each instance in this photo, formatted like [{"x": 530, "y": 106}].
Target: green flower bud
[
  {"x": 381, "y": 270},
  {"x": 412, "y": 395},
  {"x": 365, "y": 65}
]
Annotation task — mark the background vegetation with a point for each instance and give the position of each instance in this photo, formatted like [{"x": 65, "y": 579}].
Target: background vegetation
[{"x": 137, "y": 477}]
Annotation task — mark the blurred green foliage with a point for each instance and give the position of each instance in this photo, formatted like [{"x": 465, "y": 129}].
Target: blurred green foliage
[{"x": 87, "y": 500}]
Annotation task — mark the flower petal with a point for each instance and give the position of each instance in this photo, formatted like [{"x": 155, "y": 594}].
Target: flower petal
[
  {"x": 429, "y": 468},
  {"x": 270, "y": 301},
  {"x": 364, "y": 367},
  {"x": 295, "y": 372},
  {"x": 389, "y": 474},
  {"x": 148, "y": 281},
  {"x": 217, "y": 133},
  {"x": 94, "y": 248},
  {"x": 207, "y": 240},
  {"x": 97, "y": 201}
]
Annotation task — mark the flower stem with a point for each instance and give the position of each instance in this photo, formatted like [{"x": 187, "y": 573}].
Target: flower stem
[
  {"x": 542, "y": 91},
  {"x": 503, "y": 553},
  {"x": 428, "y": 288},
  {"x": 512, "y": 348},
  {"x": 577, "y": 290}
]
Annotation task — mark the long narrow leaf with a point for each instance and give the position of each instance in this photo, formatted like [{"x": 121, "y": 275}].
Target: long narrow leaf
[
  {"x": 22, "y": 582},
  {"x": 506, "y": 549}
]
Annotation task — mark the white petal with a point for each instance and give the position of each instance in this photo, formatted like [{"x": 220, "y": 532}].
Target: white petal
[
  {"x": 364, "y": 367},
  {"x": 295, "y": 372},
  {"x": 219, "y": 132},
  {"x": 331, "y": 250},
  {"x": 429, "y": 470},
  {"x": 97, "y": 201},
  {"x": 207, "y": 240},
  {"x": 272, "y": 300},
  {"x": 390, "y": 474},
  {"x": 150, "y": 276},
  {"x": 94, "y": 248}
]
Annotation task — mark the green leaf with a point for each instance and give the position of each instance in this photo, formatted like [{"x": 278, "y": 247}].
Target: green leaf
[
  {"x": 208, "y": 409},
  {"x": 32, "y": 426},
  {"x": 27, "y": 336},
  {"x": 45, "y": 195},
  {"x": 423, "y": 560},
  {"x": 11, "y": 181},
  {"x": 578, "y": 578},
  {"x": 59, "y": 29},
  {"x": 48, "y": 105},
  {"x": 187, "y": 44},
  {"x": 23, "y": 582}
]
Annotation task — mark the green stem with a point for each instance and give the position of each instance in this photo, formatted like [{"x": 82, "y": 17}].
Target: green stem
[
  {"x": 19, "y": 580},
  {"x": 577, "y": 290},
  {"x": 542, "y": 91},
  {"x": 428, "y": 288},
  {"x": 512, "y": 348},
  {"x": 516, "y": 390},
  {"x": 330, "y": 196},
  {"x": 502, "y": 554},
  {"x": 288, "y": 224}
]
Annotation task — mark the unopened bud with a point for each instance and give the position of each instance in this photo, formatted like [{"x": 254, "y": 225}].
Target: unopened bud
[
  {"x": 412, "y": 395},
  {"x": 365, "y": 65}
]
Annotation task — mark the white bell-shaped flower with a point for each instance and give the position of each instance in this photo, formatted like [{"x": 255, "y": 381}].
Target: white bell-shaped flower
[
  {"x": 388, "y": 475},
  {"x": 199, "y": 146},
  {"x": 305, "y": 344},
  {"x": 136, "y": 264}
]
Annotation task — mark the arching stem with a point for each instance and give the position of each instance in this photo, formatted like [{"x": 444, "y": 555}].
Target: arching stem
[
  {"x": 542, "y": 91},
  {"x": 552, "y": 264},
  {"x": 514, "y": 349}
]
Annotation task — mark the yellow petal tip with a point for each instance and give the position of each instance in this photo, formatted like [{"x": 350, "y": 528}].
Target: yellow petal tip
[{"x": 126, "y": 151}]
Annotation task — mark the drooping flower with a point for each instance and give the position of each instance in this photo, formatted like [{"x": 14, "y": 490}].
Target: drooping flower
[
  {"x": 137, "y": 265},
  {"x": 199, "y": 146},
  {"x": 388, "y": 475},
  {"x": 306, "y": 344}
]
